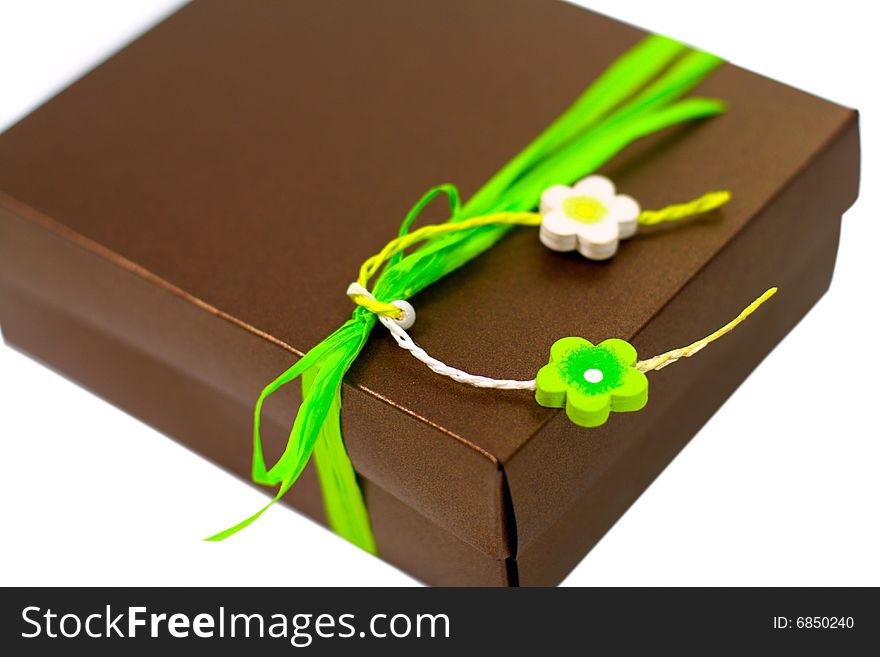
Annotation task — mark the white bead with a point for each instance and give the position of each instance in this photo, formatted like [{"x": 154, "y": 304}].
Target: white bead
[{"x": 409, "y": 314}]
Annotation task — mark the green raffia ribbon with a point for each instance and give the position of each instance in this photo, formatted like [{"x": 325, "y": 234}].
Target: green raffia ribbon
[{"x": 637, "y": 95}]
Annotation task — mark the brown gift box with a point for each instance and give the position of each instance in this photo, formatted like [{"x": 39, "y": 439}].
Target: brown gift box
[{"x": 180, "y": 225}]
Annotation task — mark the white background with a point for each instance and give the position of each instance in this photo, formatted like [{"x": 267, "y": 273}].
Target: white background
[{"x": 804, "y": 512}]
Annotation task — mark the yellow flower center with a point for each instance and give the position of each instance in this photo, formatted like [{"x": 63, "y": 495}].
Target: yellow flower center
[{"x": 585, "y": 209}]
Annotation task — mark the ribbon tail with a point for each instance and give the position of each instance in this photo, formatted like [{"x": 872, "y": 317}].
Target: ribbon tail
[
  {"x": 326, "y": 364},
  {"x": 226, "y": 533},
  {"x": 344, "y": 503}
]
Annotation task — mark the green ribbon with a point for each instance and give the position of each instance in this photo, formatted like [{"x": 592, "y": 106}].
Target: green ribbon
[{"x": 637, "y": 95}]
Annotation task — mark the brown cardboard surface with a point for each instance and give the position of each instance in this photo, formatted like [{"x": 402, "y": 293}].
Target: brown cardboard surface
[
  {"x": 205, "y": 197},
  {"x": 190, "y": 410}
]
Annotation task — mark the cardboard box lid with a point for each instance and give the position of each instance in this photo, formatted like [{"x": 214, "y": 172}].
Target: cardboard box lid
[{"x": 252, "y": 155}]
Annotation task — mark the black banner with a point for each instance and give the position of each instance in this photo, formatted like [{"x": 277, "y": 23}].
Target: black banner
[{"x": 435, "y": 621}]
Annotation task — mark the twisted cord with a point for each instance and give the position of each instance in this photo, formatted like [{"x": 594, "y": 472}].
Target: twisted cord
[
  {"x": 404, "y": 341},
  {"x": 677, "y": 212},
  {"x": 661, "y": 361},
  {"x": 706, "y": 203}
]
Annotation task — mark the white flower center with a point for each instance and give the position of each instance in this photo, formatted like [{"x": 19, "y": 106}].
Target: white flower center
[{"x": 593, "y": 375}]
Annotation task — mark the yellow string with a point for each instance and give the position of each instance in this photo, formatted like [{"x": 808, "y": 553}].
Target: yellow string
[
  {"x": 395, "y": 246},
  {"x": 706, "y": 203},
  {"x": 661, "y": 361}
]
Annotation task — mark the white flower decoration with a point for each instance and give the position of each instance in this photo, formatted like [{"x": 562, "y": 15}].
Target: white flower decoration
[{"x": 590, "y": 217}]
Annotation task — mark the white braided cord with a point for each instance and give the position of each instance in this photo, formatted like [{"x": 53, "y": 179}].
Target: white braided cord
[{"x": 404, "y": 341}]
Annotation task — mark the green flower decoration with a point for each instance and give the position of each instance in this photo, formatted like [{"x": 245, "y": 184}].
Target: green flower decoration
[{"x": 590, "y": 381}]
